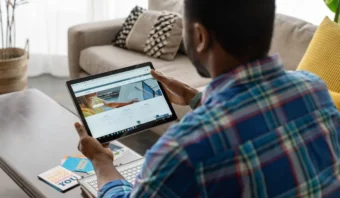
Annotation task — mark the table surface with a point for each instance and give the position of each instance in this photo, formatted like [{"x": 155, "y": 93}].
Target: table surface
[
  {"x": 8, "y": 188},
  {"x": 35, "y": 134}
]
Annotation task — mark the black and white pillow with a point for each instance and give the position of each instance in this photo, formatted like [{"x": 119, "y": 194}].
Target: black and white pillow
[
  {"x": 122, "y": 35},
  {"x": 160, "y": 35},
  {"x": 157, "y": 34}
]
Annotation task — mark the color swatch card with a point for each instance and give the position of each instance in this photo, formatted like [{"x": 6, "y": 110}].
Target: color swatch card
[
  {"x": 82, "y": 165},
  {"x": 75, "y": 156},
  {"x": 60, "y": 178}
]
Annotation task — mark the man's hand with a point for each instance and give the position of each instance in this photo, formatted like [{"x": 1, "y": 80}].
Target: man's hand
[
  {"x": 91, "y": 148},
  {"x": 178, "y": 92},
  {"x": 100, "y": 156}
]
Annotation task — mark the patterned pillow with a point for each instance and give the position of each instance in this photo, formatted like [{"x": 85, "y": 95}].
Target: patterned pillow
[
  {"x": 157, "y": 34},
  {"x": 122, "y": 35}
]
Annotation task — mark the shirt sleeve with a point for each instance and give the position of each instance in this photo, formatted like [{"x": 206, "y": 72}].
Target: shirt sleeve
[
  {"x": 116, "y": 189},
  {"x": 165, "y": 173}
]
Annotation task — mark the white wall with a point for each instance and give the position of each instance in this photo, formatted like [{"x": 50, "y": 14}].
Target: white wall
[
  {"x": 313, "y": 11},
  {"x": 45, "y": 23}
]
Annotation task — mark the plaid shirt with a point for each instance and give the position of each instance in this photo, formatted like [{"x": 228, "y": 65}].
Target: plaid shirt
[{"x": 261, "y": 132}]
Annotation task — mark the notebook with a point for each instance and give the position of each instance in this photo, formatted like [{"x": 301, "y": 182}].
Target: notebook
[{"x": 60, "y": 178}]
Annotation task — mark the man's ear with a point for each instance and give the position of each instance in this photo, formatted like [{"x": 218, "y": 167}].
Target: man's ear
[{"x": 202, "y": 37}]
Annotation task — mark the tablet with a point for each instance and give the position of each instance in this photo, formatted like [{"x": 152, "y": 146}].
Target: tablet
[{"x": 121, "y": 102}]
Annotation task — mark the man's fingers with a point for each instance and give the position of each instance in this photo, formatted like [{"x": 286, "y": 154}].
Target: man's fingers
[
  {"x": 172, "y": 85},
  {"x": 79, "y": 147},
  {"x": 156, "y": 75},
  {"x": 159, "y": 77},
  {"x": 106, "y": 145},
  {"x": 80, "y": 129}
]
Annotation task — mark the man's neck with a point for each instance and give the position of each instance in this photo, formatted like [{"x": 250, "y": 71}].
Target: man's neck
[{"x": 221, "y": 63}]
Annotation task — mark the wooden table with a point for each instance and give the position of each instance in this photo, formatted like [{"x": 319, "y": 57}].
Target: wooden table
[
  {"x": 35, "y": 134},
  {"x": 8, "y": 188}
]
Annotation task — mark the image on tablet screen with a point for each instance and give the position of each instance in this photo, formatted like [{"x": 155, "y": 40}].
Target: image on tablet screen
[{"x": 118, "y": 97}]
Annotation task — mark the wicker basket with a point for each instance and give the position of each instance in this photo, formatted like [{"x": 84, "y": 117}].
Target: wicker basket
[{"x": 13, "y": 71}]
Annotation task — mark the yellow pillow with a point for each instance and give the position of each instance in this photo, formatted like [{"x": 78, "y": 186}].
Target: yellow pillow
[
  {"x": 336, "y": 99},
  {"x": 323, "y": 55}
]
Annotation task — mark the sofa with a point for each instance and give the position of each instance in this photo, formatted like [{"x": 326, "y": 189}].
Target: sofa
[{"x": 91, "y": 51}]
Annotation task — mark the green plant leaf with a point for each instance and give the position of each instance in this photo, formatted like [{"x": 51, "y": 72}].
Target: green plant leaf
[{"x": 332, "y": 4}]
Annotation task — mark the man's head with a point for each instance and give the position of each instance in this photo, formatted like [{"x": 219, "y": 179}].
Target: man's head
[{"x": 221, "y": 34}]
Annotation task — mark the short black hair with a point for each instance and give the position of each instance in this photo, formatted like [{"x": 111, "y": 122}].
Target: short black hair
[{"x": 244, "y": 28}]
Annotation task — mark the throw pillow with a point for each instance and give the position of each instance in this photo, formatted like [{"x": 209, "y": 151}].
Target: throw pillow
[
  {"x": 336, "y": 99},
  {"x": 156, "y": 33},
  {"x": 169, "y": 5},
  {"x": 323, "y": 55},
  {"x": 130, "y": 21}
]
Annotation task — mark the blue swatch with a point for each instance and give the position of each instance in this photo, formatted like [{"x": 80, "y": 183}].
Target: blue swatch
[{"x": 81, "y": 165}]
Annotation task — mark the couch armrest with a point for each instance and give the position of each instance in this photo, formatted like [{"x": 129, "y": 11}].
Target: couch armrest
[{"x": 87, "y": 35}]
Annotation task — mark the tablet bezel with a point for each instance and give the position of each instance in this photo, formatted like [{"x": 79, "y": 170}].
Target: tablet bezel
[{"x": 140, "y": 128}]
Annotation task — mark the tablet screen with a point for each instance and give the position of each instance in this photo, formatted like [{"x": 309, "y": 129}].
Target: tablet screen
[{"x": 124, "y": 102}]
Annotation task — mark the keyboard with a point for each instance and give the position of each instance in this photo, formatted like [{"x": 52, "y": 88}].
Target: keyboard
[
  {"x": 93, "y": 184},
  {"x": 129, "y": 172}
]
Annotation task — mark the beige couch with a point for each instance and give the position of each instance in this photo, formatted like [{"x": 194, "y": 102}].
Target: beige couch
[{"x": 91, "y": 50}]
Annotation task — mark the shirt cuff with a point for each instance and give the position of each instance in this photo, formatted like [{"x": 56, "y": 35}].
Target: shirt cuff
[
  {"x": 196, "y": 100},
  {"x": 117, "y": 188}
]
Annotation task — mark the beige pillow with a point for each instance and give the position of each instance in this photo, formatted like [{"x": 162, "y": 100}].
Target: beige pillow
[
  {"x": 158, "y": 34},
  {"x": 169, "y": 5}
]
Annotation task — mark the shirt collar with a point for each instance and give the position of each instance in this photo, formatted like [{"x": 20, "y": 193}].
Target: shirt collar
[{"x": 251, "y": 72}]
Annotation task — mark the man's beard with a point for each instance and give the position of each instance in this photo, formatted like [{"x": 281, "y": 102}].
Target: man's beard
[{"x": 202, "y": 71}]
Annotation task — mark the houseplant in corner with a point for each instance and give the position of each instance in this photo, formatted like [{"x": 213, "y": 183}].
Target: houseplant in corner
[
  {"x": 13, "y": 60},
  {"x": 334, "y": 6}
]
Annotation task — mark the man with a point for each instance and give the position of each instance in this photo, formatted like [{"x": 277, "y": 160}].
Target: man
[{"x": 260, "y": 131}]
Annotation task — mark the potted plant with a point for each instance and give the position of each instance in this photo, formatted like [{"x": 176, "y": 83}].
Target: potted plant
[
  {"x": 334, "y": 6},
  {"x": 13, "y": 60}
]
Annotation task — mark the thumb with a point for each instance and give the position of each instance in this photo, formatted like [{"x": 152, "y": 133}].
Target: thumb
[{"x": 81, "y": 130}]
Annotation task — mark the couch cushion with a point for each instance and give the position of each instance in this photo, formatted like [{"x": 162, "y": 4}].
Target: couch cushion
[
  {"x": 99, "y": 59},
  {"x": 170, "y": 5},
  {"x": 291, "y": 39}
]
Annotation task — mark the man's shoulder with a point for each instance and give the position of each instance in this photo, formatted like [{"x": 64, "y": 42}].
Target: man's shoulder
[
  {"x": 307, "y": 84},
  {"x": 306, "y": 77}
]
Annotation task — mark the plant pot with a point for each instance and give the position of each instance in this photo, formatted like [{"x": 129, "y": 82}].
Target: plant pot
[{"x": 13, "y": 70}]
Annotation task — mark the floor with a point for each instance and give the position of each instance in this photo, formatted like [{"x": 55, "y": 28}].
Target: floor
[
  {"x": 56, "y": 89},
  {"x": 53, "y": 87}
]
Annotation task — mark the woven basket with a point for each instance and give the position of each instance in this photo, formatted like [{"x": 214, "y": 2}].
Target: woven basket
[{"x": 13, "y": 71}]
